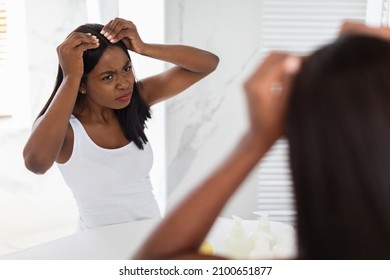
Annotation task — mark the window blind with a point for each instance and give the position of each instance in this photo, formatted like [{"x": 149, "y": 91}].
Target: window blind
[
  {"x": 385, "y": 12},
  {"x": 3, "y": 59},
  {"x": 297, "y": 26},
  {"x": 3, "y": 36}
]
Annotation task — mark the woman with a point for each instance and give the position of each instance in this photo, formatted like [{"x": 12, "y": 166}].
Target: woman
[
  {"x": 334, "y": 108},
  {"x": 93, "y": 124}
]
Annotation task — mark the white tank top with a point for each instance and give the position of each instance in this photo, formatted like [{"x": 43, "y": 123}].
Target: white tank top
[{"x": 110, "y": 185}]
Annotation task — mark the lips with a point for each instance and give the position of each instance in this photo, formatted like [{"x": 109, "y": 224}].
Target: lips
[{"x": 124, "y": 97}]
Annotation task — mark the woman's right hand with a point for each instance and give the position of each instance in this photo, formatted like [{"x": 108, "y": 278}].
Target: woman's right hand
[{"x": 70, "y": 52}]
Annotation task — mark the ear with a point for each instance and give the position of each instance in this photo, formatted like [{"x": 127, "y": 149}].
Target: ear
[{"x": 83, "y": 89}]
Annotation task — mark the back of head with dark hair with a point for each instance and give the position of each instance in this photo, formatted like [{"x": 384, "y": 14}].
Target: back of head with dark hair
[
  {"x": 131, "y": 118},
  {"x": 338, "y": 127}
]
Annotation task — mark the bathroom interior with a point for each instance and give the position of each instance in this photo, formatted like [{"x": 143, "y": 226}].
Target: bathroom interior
[{"x": 191, "y": 133}]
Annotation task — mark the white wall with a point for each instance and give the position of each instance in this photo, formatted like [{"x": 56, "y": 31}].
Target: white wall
[
  {"x": 204, "y": 123},
  {"x": 48, "y": 23}
]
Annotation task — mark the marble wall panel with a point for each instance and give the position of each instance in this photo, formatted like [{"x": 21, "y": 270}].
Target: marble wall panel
[{"x": 204, "y": 123}]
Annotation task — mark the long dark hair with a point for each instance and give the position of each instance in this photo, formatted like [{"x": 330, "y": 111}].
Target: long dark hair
[
  {"x": 338, "y": 128},
  {"x": 131, "y": 118}
]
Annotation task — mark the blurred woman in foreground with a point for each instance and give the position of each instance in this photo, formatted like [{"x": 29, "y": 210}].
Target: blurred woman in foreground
[{"x": 334, "y": 108}]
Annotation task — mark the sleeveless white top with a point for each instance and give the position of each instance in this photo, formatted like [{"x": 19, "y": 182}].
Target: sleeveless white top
[{"x": 110, "y": 185}]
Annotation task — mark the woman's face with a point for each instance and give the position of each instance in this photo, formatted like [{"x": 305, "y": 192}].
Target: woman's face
[{"x": 110, "y": 83}]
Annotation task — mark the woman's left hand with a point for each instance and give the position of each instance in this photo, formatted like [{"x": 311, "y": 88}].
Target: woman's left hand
[
  {"x": 267, "y": 91},
  {"x": 355, "y": 27},
  {"x": 121, "y": 29}
]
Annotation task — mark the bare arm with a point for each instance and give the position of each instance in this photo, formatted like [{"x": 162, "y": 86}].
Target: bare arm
[
  {"x": 196, "y": 214},
  {"x": 191, "y": 64},
  {"x": 194, "y": 217},
  {"x": 355, "y": 27},
  {"x": 48, "y": 134}
]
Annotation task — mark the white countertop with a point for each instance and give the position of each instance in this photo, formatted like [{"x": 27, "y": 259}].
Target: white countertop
[{"x": 119, "y": 242}]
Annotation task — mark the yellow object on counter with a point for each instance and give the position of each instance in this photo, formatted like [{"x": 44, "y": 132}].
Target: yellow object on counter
[{"x": 206, "y": 248}]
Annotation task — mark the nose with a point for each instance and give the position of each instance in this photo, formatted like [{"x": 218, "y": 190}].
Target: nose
[{"x": 123, "y": 82}]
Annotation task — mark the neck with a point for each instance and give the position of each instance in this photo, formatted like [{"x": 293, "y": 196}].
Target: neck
[{"x": 93, "y": 113}]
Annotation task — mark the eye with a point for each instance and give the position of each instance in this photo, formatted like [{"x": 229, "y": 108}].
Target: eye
[
  {"x": 108, "y": 77},
  {"x": 128, "y": 69}
]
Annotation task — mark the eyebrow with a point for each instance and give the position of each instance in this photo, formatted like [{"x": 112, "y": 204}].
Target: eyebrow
[{"x": 127, "y": 64}]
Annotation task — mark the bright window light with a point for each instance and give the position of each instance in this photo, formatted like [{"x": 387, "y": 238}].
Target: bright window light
[
  {"x": 93, "y": 11},
  {"x": 14, "y": 79}
]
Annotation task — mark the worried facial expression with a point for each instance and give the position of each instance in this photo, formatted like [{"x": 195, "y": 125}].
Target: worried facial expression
[{"x": 110, "y": 83}]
